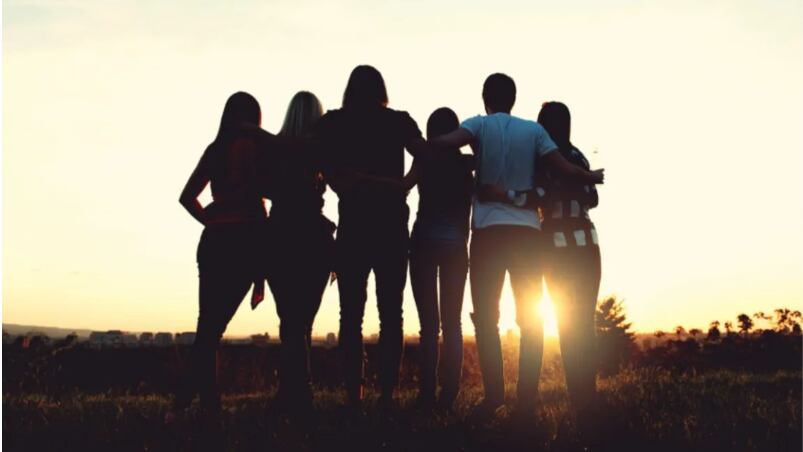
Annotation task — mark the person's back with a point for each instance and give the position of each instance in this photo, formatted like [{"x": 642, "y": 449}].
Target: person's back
[
  {"x": 296, "y": 185},
  {"x": 507, "y": 151},
  {"x": 363, "y": 144},
  {"x": 506, "y": 235},
  {"x": 445, "y": 187},
  {"x": 369, "y": 142},
  {"x": 228, "y": 260},
  {"x": 300, "y": 248},
  {"x": 439, "y": 259},
  {"x": 236, "y": 197}
]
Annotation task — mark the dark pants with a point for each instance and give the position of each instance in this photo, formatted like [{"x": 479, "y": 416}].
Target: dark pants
[
  {"x": 227, "y": 264},
  {"x": 496, "y": 250},
  {"x": 300, "y": 259},
  {"x": 573, "y": 276},
  {"x": 360, "y": 250},
  {"x": 447, "y": 262}
]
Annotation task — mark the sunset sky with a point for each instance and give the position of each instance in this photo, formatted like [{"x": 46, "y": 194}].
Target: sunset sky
[{"x": 694, "y": 108}]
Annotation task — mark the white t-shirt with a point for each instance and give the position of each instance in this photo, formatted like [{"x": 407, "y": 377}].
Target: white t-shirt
[{"x": 507, "y": 149}]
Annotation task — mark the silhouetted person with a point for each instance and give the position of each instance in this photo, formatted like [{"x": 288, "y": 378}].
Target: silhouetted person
[
  {"x": 506, "y": 237},
  {"x": 438, "y": 253},
  {"x": 301, "y": 247},
  {"x": 228, "y": 258},
  {"x": 365, "y": 143},
  {"x": 573, "y": 264}
]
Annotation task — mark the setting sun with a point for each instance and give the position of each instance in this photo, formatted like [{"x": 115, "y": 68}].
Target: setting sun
[{"x": 545, "y": 309}]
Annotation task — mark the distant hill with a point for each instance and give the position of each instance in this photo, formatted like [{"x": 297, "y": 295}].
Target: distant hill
[{"x": 53, "y": 332}]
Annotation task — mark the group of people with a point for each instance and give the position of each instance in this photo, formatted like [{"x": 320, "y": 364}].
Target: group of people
[{"x": 523, "y": 199}]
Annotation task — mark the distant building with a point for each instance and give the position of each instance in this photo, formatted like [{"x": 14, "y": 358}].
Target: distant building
[
  {"x": 163, "y": 339},
  {"x": 111, "y": 338},
  {"x": 96, "y": 339},
  {"x": 331, "y": 340},
  {"x": 69, "y": 340},
  {"x": 35, "y": 339},
  {"x": 187, "y": 338},
  {"x": 146, "y": 339},
  {"x": 129, "y": 340},
  {"x": 260, "y": 340}
]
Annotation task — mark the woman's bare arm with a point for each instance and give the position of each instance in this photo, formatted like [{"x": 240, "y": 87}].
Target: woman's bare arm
[
  {"x": 412, "y": 177},
  {"x": 192, "y": 189}
]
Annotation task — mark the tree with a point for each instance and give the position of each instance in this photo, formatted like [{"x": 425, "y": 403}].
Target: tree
[
  {"x": 617, "y": 344},
  {"x": 659, "y": 334},
  {"x": 745, "y": 323},
  {"x": 679, "y": 331},
  {"x": 695, "y": 331},
  {"x": 786, "y": 320},
  {"x": 728, "y": 327},
  {"x": 760, "y": 316},
  {"x": 713, "y": 331}
]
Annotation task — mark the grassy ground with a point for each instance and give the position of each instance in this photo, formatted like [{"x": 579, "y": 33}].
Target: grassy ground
[{"x": 644, "y": 409}]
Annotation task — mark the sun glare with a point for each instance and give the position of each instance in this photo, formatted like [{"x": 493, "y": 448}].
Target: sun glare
[{"x": 546, "y": 309}]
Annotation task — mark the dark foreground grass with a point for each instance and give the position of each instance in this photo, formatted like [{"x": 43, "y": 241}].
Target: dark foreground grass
[{"x": 643, "y": 409}]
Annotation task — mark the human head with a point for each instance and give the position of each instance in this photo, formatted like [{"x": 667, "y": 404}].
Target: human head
[
  {"x": 365, "y": 89},
  {"x": 303, "y": 111},
  {"x": 555, "y": 118},
  {"x": 441, "y": 121},
  {"x": 241, "y": 107},
  {"x": 499, "y": 93}
]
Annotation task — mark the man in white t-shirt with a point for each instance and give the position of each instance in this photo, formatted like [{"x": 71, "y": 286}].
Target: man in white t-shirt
[{"x": 506, "y": 233}]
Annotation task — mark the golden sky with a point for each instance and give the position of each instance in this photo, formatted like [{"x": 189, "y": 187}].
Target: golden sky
[{"x": 694, "y": 109}]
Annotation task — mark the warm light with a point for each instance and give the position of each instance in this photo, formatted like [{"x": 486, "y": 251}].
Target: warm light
[{"x": 547, "y": 312}]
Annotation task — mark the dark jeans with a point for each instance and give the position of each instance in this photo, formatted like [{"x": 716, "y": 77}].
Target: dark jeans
[
  {"x": 228, "y": 262},
  {"x": 573, "y": 276},
  {"x": 447, "y": 262},
  {"x": 360, "y": 250},
  {"x": 496, "y": 250},
  {"x": 301, "y": 253}
]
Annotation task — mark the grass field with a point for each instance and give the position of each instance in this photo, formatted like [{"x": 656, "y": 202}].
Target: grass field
[{"x": 644, "y": 409}]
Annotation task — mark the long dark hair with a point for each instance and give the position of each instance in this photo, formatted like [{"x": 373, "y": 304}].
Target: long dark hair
[
  {"x": 365, "y": 89},
  {"x": 556, "y": 119},
  {"x": 240, "y": 108},
  {"x": 446, "y": 176}
]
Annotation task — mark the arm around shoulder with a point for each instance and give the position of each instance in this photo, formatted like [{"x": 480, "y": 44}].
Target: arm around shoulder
[{"x": 562, "y": 166}]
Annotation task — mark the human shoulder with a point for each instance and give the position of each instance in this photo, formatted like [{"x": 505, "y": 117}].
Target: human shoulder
[
  {"x": 528, "y": 124},
  {"x": 577, "y": 157},
  {"x": 474, "y": 124},
  {"x": 403, "y": 122},
  {"x": 331, "y": 115},
  {"x": 398, "y": 115},
  {"x": 328, "y": 124}
]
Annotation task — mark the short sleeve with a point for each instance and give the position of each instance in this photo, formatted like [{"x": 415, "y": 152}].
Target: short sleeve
[
  {"x": 473, "y": 125},
  {"x": 409, "y": 127},
  {"x": 543, "y": 142}
]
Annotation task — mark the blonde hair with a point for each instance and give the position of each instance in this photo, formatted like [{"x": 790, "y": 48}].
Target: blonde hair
[{"x": 302, "y": 113}]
